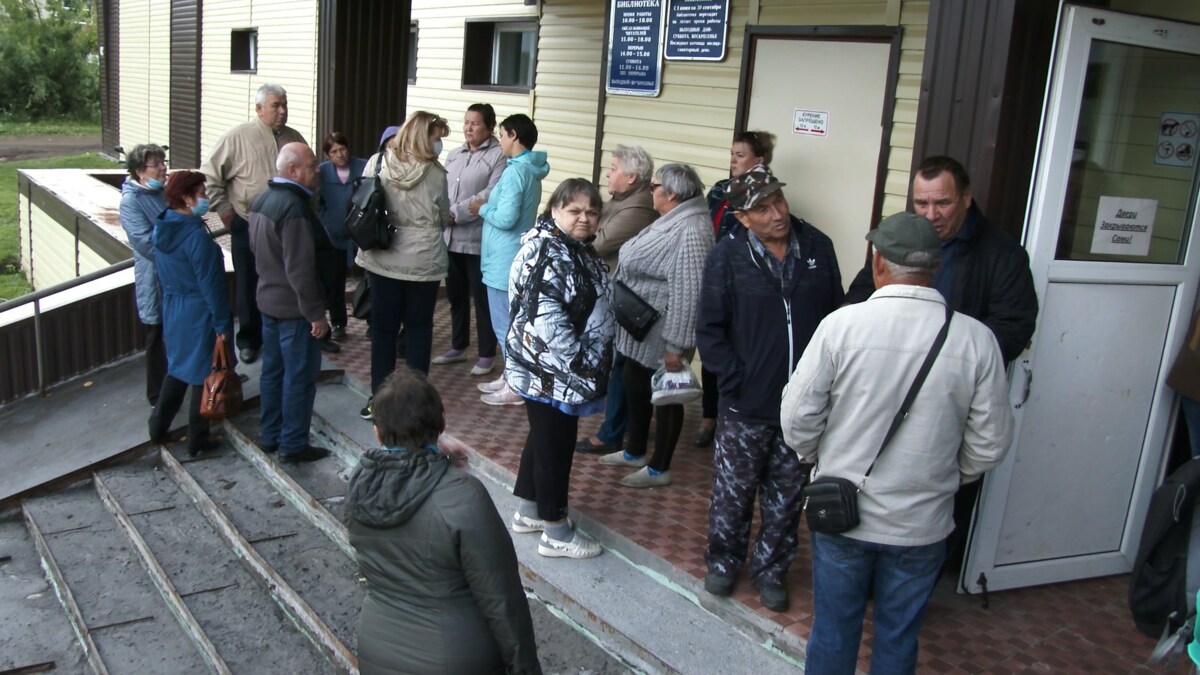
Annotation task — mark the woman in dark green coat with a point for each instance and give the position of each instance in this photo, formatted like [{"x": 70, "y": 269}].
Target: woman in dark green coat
[{"x": 443, "y": 591}]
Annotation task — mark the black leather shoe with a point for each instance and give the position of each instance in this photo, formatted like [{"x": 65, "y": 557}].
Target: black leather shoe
[
  {"x": 585, "y": 446},
  {"x": 207, "y": 445},
  {"x": 248, "y": 354},
  {"x": 269, "y": 449},
  {"x": 310, "y": 453},
  {"x": 329, "y": 346},
  {"x": 720, "y": 585},
  {"x": 338, "y": 333},
  {"x": 704, "y": 436},
  {"x": 774, "y": 597}
]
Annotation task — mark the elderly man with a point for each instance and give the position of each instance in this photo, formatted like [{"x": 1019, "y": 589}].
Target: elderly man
[
  {"x": 765, "y": 290},
  {"x": 286, "y": 237},
  {"x": 629, "y": 211},
  {"x": 238, "y": 168},
  {"x": 837, "y": 409}
]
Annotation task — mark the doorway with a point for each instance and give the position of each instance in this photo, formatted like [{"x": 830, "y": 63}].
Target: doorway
[{"x": 1116, "y": 266}]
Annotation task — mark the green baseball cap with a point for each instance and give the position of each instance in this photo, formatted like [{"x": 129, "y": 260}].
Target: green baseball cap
[{"x": 903, "y": 234}]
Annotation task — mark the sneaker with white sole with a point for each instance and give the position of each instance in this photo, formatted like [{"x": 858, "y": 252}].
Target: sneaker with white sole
[
  {"x": 505, "y": 396},
  {"x": 493, "y": 386},
  {"x": 579, "y": 547},
  {"x": 452, "y": 356},
  {"x": 642, "y": 478},
  {"x": 524, "y": 524},
  {"x": 483, "y": 366},
  {"x": 618, "y": 458}
]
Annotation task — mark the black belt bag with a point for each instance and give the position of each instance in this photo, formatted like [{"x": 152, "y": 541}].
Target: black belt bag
[
  {"x": 830, "y": 502},
  {"x": 633, "y": 313}
]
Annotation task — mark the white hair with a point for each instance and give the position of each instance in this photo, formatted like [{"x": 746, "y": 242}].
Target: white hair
[
  {"x": 292, "y": 153},
  {"x": 634, "y": 161},
  {"x": 680, "y": 181},
  {"x": 897, "y": 270},
  {"x": 266, "y": 90}
]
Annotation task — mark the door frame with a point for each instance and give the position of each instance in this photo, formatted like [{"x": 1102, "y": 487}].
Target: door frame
[
  {"x": 885, "y": 34},
  {"x": 1060, "y": 120}
]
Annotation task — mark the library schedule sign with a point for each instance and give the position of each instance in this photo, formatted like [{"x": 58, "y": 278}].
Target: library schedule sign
[
  {"x": 696, "y": 30},
  {"x": 635, "y": 48}
]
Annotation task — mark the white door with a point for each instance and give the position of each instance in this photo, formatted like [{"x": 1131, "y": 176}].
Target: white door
[
  {"x": 830, "y": 165},
  {"x": 1115, "y": 262}
]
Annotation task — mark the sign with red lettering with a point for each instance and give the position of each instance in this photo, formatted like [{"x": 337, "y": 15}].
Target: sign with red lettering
[{"x": 810, "y": 123}]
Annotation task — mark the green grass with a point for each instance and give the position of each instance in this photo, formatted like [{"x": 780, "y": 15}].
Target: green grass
[
  {"x": 13, "y": 284},
  {"x": 49, "y": 128}
]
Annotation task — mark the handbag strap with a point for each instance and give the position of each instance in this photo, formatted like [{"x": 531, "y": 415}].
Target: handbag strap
[{"x": 916, "y": 386}]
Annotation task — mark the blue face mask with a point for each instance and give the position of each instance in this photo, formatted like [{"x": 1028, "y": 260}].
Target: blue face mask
[
  {"x": 437, "y": 147},
  {"x": 201, "y": 206},
  {"x": 154, "y": 184}
]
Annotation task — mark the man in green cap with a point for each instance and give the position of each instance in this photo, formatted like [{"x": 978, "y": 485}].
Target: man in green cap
[{"x": 837, "y": 408}]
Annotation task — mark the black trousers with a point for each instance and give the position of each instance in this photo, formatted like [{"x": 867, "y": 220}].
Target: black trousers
[
  {"x": 464, "y": 284},
  {"x": 669, "y": 418},
  {"x": 393, "y": 303},
  {"x": 156, "y": 361},
  {"x": 708, "y": 380},
  {"x": 544, "y": 475},
  {"x": 332, "y": 271},
  {"x": 245, "y": 272},
  {"x": 170, "y": 399}
]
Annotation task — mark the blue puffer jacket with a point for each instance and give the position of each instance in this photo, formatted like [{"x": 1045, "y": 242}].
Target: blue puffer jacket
[
  {"x": 509, "y": 213},
  {"x": 195, "y": 297},
  {"x": 140, "y": 207}
]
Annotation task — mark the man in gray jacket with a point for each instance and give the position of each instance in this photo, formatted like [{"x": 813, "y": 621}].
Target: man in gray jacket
[
  {"x": 836, "y": 411},
  {"x": 286, "y": 236}
]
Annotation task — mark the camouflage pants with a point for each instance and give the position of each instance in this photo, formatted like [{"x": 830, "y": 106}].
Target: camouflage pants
[{"x": 750, "y": 458}]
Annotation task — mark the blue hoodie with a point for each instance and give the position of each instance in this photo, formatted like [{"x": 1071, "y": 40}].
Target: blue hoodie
[
  {"x": 140, "y": 207},
  {"x": 195, "y": 295},
  {"x": 510, "y": 211}
]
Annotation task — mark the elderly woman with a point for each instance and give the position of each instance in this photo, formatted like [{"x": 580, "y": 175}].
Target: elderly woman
[
  {"x": 337, "y": 174},
  {"x": 443, "y": 590},
  {"x": 559, "y": 354},
  {"x": 195, "y": 305},
  {"x": 405, "y": 276},
  {"x": 472, "y": 170},
  {"x": 629, "y": 211},
  {"x": 664, "y": 266},
  {"x": 749, "y": 149},
  {"x": 141, "y": 203}
]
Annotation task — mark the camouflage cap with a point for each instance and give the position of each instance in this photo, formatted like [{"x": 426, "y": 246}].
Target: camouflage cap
[
  {"x": 903, "y": 234},
  {"x": 748, "y": 189}
]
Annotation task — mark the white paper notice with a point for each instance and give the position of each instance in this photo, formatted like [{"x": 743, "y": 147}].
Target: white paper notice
[
  {"x": 810, "y": 123},
  {"x": 1124, "y": 226}
]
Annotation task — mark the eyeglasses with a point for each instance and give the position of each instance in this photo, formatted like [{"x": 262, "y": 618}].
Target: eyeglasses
[
  {"x": 156, "y": 165},
  {"x": 655, "y": 186}
]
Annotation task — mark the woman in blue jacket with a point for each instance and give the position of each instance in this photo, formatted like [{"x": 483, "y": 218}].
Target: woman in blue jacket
[
  {"x": 195, "y": 305},
  {"x": 337, "y": 174}
]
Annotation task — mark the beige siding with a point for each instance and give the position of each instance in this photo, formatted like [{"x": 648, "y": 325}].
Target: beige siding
[
  {"x": 287, "y": 55},
  {"x": 438, "y": 89},
  {"x": 54, "y": 246},
  {"x": 145, "y": 72}
]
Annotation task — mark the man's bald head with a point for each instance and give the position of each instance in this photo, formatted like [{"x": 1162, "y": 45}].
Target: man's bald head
[{"x": 297, "y": 162}]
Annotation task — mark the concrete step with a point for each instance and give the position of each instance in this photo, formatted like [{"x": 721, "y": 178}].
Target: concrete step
[{"x": 651, "y": 621}]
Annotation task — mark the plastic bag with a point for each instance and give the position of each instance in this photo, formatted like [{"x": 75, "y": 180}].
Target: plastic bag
[{"x": 668, "y": 388}]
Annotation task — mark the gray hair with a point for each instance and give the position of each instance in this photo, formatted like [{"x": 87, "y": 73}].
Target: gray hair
[
  {"x": 897, "y": 270},
  {"x": 292, "y": 153},
  {"x": 680, "y": 181},
  {"x": 140, "y": 156},
  {"x": 266, "y": 90},
  {"x": 634, "y": 161}
]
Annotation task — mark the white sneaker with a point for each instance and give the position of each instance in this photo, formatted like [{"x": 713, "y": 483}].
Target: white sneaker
[
  {"x": 579, "y": 547},
  {"x": 642, "y": 478},
  {"x": 524, "y": 524},
  {"x": 493, "y": 386},
  {"x": 618, "y": 458},
  {"x": 505, "y": 396}
]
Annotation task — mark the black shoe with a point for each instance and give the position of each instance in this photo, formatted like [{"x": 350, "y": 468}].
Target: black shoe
[
  {"x": 366, "y": 412},
  {"x": 720, "y": 585},
  {"x": 585, "y": 446},
  {"x": 248, "y": 354},
  {"x": 206, "y": 445},
  {"x": 774, "y": 597},
  {"x": 329, "y": 346},
  {"x": 310, "y": 453},
  {"x": 338, "y": 333},
  {"x": 704, "y": 436},
  {"x": 269, "y": 449}
]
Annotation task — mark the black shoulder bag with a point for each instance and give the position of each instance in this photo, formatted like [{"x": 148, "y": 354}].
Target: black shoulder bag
[
  {"x": 633, "y": 313},
  {"x": 831, "y": 503},
  {"x": 367, "y": 221}
]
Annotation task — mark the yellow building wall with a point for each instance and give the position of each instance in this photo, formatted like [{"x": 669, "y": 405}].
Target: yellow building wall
[
  {"x": 287, "y": 56},
  {"x": 54, "y": 246},
  {"x": 145, "y": 63}
]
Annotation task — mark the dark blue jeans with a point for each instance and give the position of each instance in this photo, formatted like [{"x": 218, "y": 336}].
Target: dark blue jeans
[
  {"x": 846, "y": 572},
  {"x": 395, "y": 303},
  {"x": 616, "y": 415},
  {"x": 291, "y": 361}
]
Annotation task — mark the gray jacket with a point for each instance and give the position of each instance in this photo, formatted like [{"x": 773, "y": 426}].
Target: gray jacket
[
  {"x": 664, "y": 264},
  {"x": 287, "y": 237},
  {"x": 470, "y": 175},
  {"x": 140, "y": 208}
]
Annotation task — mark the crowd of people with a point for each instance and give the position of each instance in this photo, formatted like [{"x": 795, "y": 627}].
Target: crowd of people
[{"x": 796, "y": 383}]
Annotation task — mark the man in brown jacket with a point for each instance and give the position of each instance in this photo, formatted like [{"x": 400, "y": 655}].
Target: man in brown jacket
[
  {"x": 629, "y": 211},
  {"x": 238, "y": 168}
]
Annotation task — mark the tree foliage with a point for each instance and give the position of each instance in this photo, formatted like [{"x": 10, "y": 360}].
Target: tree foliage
[{"x": 48, "y": 61}]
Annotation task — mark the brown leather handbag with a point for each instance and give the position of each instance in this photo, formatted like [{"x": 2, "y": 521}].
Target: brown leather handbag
[{"x": 222, "y": 387}]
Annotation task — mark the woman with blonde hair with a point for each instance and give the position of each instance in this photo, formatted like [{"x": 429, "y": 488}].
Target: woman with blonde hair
[{"x": 405, "y": 276}]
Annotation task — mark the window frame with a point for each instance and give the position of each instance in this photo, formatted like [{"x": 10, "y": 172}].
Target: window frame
[
  {"x": 480, "y": 66},
  {"x": 414, "y": 30},
  {"x": 250, "y": 35}
]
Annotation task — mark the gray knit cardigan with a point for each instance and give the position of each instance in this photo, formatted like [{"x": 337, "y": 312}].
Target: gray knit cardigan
[{"x": 664, "y": 264}]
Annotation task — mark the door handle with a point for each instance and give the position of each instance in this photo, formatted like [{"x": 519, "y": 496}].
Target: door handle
[{"x": 1028, "y": 383}]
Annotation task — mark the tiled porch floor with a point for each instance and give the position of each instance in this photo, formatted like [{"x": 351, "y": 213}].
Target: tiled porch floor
[{"x": 1082, "y": 626}]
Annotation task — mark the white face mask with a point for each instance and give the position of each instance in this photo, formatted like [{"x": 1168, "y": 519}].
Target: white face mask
[{"x": 437, "y": 147}]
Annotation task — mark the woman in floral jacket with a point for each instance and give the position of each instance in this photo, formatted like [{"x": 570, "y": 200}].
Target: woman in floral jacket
[{"x": 559, "y": 349}]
